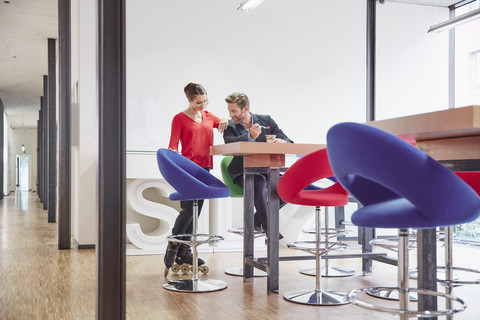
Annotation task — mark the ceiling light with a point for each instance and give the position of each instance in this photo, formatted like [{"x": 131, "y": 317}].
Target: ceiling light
[
  {"x": 455, "y": 22},
  {"x": 249, "y": 5}
]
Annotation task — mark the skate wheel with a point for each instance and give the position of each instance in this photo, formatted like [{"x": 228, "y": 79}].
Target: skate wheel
[
  {"x": 175, "y": 268},
  {"x": 203, "y": 269},
  {"x": 185, "y": 269}
]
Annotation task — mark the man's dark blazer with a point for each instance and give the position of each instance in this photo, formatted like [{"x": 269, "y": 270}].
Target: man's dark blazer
[{"x": 236, "y": 132}]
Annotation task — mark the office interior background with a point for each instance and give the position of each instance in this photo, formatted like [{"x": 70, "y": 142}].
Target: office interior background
[{"x": 303, "y": 62}]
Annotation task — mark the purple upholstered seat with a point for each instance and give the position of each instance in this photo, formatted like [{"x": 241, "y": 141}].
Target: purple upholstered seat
[
  {"x": 398, "y": 185},
  {"x": 191, "y": 181}
]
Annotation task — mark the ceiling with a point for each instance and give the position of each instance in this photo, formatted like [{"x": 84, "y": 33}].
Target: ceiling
[
  {"x": 25, "y": 26},
  {"x": 434, "y": 3}
]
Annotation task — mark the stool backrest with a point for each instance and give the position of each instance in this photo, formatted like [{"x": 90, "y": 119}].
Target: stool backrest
[
  {"x": 472, "y": 178},
  {"x": 398, "y": 184},
  {"x": 237, "y": 191},
  {"x": 295, "y": 184},
  {"x": 191, "y": 181}
]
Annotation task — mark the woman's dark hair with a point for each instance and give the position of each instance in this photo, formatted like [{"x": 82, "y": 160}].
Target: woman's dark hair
[{"x": 193, "y": 89}]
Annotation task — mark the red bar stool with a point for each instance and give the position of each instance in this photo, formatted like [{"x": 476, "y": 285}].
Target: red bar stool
[
  {"x": 291, "y": 188},
  {"x": 472, "y": 178}
]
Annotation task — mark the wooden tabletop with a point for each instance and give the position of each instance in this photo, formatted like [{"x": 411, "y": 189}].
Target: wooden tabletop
[
  {"x": 251, "y": 148},
  {"x": 458, "y": 122},
  {"x": 448, "y": 135}
]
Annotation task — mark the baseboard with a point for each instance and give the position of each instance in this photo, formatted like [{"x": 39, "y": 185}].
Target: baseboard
[{"x": 83, "y": 246}]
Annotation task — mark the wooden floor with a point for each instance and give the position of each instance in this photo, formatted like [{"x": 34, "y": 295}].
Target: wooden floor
[{"x": 38, "y": 281}]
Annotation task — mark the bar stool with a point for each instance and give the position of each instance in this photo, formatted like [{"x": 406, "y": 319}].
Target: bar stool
[
  {"x": 399, "y": 187},
  {"x": 237, "y": 191},
  {"x": 291, "y": 188},
  {"x": 191, "y": 182},
  {"x": 473, "y": 180}
]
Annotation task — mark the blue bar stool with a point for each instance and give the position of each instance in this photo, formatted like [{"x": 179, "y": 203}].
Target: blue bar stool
[
  {"x": 399, "y": 187},
  {"x": 191, "y": 182},
  {"x": 292, "y": 188}
]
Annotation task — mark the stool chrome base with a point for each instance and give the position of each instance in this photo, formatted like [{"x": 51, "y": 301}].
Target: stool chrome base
[
  {"x": 317, "y": 298},
  {"x": 328, "y": 272},
  {"x": 238, "y": 271},
  {"x": 195, "y": 285}
]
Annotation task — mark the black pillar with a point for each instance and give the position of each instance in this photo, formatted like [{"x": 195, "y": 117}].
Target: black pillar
[
  {"x": 111, "y": 267},
  {"x": 39, "y": 145},
  {"x": 52, "y": 132},
  {"x": 45, "y": 143},
  {"x": 64, "y": 213},
  {"x": 2, "y": 160},
  {"x": 39, "y": 150},
  {"x": 371, "y": 34}
]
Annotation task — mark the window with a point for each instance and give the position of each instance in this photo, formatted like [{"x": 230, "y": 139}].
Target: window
[{"x": 475, "y": 72}]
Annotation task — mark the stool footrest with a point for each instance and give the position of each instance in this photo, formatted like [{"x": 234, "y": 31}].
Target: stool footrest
[
  {"x": 240, "y": 232},
  {"x": 459, "y": 281},
  {"x": 352, "y": 297},
  {"x": 196, "y": 239},
  {"x": 330, "y": 232},
  {"x": 317, "y": 247}
]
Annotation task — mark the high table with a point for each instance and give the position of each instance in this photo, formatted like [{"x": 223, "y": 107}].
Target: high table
[
  {"x": 452, "y": 137},
  {"x": 268, "y": 158}
]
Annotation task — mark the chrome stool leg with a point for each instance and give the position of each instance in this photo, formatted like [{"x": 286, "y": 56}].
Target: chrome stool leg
[
  {"x": 195, "y": 284},
  {"x": 328, "y": 271},
  {"x": 318, "y": 296}
]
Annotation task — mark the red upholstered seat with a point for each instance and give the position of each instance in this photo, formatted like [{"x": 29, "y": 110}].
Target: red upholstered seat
[{"x": 307, "y": 170}]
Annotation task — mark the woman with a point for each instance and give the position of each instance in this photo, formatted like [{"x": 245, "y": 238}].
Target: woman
[{"x": 193, "y": 128}]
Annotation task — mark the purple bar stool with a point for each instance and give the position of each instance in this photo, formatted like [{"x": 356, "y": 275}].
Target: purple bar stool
[
  {"x": 399, "y": 187},
  {"x": 191, "y": 182}
]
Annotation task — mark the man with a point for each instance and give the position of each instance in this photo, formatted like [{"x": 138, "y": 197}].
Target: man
[{"x": 246, "y": 126}]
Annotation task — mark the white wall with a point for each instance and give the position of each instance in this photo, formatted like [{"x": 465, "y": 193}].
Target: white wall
[
  {"x": 412, "y": 64},
  {"x": 84, "y": 123},
  {"x": 301, "y": 61}
]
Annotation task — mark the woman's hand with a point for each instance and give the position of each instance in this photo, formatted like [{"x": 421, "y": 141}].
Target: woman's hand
[{"x": 223, "y": 125}]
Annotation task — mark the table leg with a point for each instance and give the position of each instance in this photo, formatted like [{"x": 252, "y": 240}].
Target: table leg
[
  {"x": 365, "y": 235},
  {"x": 427, "y": 267},
  {"x": 272, "y": 233},
  {"x": 248, "y": 236}
]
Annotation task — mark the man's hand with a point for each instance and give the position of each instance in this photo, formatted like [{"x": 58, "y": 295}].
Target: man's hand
[
  {"x": 278, "y": 140},
  {"x": 255, "y": 131}
]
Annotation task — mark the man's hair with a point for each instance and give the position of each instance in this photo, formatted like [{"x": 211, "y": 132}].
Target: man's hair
[{"x": 239, "y": 98}]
